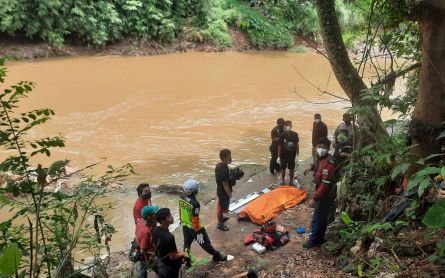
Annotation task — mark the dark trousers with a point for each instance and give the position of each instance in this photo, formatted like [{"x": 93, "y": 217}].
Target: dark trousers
[
  {"x": 320, "y": 219},
  {"x": 273, "y": 165},
  {"x": 190, "y": 236}
]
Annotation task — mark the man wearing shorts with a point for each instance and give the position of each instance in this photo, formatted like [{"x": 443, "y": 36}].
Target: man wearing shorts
[{"x": 289, "y": 152}]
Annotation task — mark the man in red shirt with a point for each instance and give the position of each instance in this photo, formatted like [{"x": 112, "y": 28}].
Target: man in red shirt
[
  {"x": 144, "y": 239},
  {"x": 143, "y": 200},
  {"x": 324, "y": 193}
]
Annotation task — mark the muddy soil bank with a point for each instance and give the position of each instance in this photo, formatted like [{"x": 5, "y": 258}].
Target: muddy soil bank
[
  {"x": 308, "y": 263},
  {"x": 25, "y": 49}
]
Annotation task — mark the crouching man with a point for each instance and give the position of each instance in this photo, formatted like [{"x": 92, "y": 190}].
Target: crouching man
[
  {"x": 323, "y": 198},
  {"x": 189, "y": 209}
]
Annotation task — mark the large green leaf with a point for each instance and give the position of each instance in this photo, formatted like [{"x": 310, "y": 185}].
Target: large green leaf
[
  {"x": 428, "y": 171},
  {"x": 10, "y": 260},
  {"x": 423, "y": 185},
  {"x": 399, "y": 169},
  {"x": 345, "y": 217},
  {"x": 435, "y": 216}
]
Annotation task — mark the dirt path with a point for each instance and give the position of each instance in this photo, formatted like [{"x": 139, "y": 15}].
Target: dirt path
[{"x": 290, "y": 260}]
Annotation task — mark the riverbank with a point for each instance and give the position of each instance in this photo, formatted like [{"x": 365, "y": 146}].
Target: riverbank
[
  {"x": 22, "y": 49},
  {"x": 308, "y": 263}
]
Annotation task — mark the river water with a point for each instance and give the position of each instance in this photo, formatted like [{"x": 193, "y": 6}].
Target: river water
[{"x": 170, "y": 115}]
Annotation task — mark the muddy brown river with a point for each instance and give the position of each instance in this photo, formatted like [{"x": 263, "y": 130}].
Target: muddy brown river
[{"x": 170, "y": 115}]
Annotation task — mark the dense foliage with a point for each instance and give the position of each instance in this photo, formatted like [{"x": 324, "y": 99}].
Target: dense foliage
[
  {"x": 389, "y": 195},
  {"x": 273, "y": 25}
]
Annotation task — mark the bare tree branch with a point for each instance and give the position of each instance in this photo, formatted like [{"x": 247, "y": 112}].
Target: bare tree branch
[{"x": 318, "y": 89}]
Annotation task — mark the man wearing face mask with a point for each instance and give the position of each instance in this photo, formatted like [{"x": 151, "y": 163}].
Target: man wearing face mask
[
  {"x": 346, "y": 125},
  {"x": 223, "y": 188},
  {"x": 289, "y": 152},
  {"x": 144, "y": 199},
  {"x": 319, "y": 130},
  {"x": 324, "y": 196},
  {"x": 275, "y": 146}
]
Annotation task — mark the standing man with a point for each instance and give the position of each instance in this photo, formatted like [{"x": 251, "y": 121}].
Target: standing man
[
  {"x": 346, "y": 125},
  {"x": 144, "y": 199},
  {"x": 289, "y": 151},
  {"x": 319, "y": 129},
  {"x": 275, "y": 135},
  {"x": 165, "y": 245},
  {"x": 144, "y": 239},
  {"x": 323, "y": 197},
  {"x": 223, "y": 189},
  {"x": 192, "y": 227}
]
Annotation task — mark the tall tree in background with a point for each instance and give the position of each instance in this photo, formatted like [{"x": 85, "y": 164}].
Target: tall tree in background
[
  {"x": 371, "y": 125},
  {"x": 429, "y": 113}
]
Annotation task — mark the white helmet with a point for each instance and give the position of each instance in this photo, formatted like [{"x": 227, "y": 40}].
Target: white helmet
[{"x": 190, "y": 186}]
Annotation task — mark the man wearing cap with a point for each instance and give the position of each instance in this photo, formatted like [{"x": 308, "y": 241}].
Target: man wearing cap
[
  {"x": 144, "y": 199},
  {"x": 165, "y": 245},
  {"x": 275, "y": 135},
  {"x": 144, "y": 239}
]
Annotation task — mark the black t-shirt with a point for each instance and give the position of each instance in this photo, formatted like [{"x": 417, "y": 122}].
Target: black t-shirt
[
  {"x": 289, "y": 141},
  {"x": 165, "y": 243},
  {"x": 276, "y": 132},
  {"x": 222, "y": 174}
]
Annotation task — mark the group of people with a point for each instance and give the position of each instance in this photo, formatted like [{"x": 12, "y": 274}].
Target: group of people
[
  {"x": 327, "y": 168},
  {"x": 154, "y": 247}
]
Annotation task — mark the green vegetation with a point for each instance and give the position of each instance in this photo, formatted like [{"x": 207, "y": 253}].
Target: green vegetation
[
  {"x": 47, "y": 229},
  {"x": 103, "y": 22},
  {"x": 382, "y": 223}
]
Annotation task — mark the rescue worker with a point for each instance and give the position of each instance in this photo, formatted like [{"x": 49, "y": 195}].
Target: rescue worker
[
  {"x": 343, "y": 150},
  {"x": 144, "y": 240},
  {"x": 223, "y": 187},
  {"x": 319, "y": 129},
  {"x": 346, "y": 125},
  {"x": 323, "y": 197},
  {"x": 144, "y": 199},
  {"x": 288, "y": 152},
  {"x": 275, "y": 134},
  {"x": 192, "y": 227},
  {"x": 170, "y": 259}
]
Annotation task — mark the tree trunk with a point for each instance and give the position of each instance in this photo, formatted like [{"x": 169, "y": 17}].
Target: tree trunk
[
  {"x": 429, "y": 112},
  {"x": 370, "y": 123}
]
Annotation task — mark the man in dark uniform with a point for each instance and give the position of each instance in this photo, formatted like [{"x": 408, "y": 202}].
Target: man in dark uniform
[
  {"x": 275, "y": 135},
  {"x": 288, "y": 152},
  {"x": 319, "y": 129},
  {"x": 224, "y": 189},
  {"x": 164, "y": 242},
  {"x": 323, "y": 197},
  {"x": 193, "y": 229}
]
